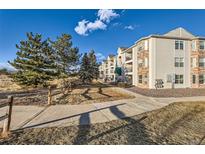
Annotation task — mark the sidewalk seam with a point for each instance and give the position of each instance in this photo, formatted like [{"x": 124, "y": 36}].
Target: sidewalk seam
[
  {"x": 102, "y": 113},
  {"x": 32, "y": 118}
]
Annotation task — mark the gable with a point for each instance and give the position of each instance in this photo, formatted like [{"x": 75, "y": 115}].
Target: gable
[{"x": 179, "y": 32}]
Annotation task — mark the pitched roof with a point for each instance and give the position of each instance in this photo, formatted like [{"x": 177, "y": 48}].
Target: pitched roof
[
  {"x": 179, "y": 32},
  {"x": 123, "y": 48}
]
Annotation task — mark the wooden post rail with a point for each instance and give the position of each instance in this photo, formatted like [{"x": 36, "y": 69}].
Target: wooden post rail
[
  {"x": 49, "y": 95},
  {"x": 7, "y": 117}
]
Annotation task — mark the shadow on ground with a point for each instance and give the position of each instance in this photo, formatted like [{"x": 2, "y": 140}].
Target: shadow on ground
[
  {"x": 125, "y": 131},
  {"x": 182, "y": 123}
]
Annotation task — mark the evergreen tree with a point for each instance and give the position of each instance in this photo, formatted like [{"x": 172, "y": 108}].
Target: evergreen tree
[
  {"x": 89, "y": 68},
  {"x": 94, "y": 65},
  {"x": 35, "y": 61},
  {"x": 85, "y": 70},
  {"x": 67, "y": 57}
]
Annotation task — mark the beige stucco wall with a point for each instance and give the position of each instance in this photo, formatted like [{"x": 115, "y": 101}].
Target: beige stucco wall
[
  {"x": 162, "y": 60},
  {"x": 135, "y": 66}
]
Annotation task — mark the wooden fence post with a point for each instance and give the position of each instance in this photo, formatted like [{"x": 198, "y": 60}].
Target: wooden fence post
[
  {"x": 7, "y": 121},
  {"x": 49, "y": 95}
]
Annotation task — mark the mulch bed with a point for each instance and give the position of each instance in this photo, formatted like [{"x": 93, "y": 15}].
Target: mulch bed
[
  {"x": 186, "y": 92},
  {"x": 177, "y": 123}
]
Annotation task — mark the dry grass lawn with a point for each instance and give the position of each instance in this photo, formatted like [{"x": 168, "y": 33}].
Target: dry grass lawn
[
  {"x": 177, "y": 123},
  {"x": 91, "y": 94},
  {"x": 81, "y": 94},
  {"x": 6, "y": 84}
]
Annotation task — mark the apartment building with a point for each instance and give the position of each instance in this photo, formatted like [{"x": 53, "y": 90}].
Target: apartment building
[
  {"x": 173, "y": 60},
  {"x": 107, "y": 69}
]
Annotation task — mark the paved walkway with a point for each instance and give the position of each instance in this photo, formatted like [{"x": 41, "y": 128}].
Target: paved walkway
[{"x": 66, "y": 115}]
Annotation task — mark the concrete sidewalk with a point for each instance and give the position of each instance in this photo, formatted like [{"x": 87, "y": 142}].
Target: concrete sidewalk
[{"x": 66, "y": 115}]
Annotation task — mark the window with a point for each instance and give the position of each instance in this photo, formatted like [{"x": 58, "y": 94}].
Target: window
[
  {"x": 145, "y": 79},
  {"x": 193, "y": 45},
  {"x": 140, "y": 79},
  {"x": 140, "y": 63},
  {"x": 179, "y": 45},
  {"x": 202, "y": 79},
  {"x": 140, "y": 48},
  {"x": 193, "y": 79},
  {"x": 179, "y": 62},
  {"x": 201, "y": 62},
  {"x": 179, "y": 79},
  {"x": 201, "y": 45}
]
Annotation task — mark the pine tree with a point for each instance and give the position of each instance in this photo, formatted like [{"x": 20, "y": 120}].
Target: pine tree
[
  {"x": 89, "y": 68},
  {"x": 94, "y": 65},
  {"x": 67, "y": 57},
  {"x": 35, "y": 61},
  {"x": 85, "y": 70}
]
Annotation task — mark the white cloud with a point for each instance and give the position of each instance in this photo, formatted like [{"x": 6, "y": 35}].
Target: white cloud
[
  {"x": 107, "y": 15},
  {"x": 7, "y": 66},
  {"x": 96, "y": 25},
  {"x": 85, "y": 26},
  {"x": 99, "y": 56},
  {"x": 104, "y": 17},
  {"x": 81, "y": 29},
  {"x": 130, "y": 27}
]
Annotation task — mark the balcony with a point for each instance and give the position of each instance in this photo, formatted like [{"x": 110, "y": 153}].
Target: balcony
[
  {"x": 128, "y": 57},
  {"x": 111, "y": 71},
  {"x": 111, "y": 64},
  {"x": 128, "y": 69}
]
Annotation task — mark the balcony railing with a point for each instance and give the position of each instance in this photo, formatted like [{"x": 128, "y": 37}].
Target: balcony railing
[
  {"x": 111, "y": 71},
  {"x": 128, "y": 69},
  {"x": 111, "y": 64},
  {"x": 128, "y": 57}
]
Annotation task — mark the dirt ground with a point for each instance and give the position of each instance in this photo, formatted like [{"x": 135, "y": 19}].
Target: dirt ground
[
  {"x": 82, "y": 94},
  {"x": 180, "y": 92},
  {"x": 177, "y": 123}
]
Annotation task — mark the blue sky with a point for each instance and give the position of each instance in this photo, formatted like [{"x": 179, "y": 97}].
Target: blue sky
[{"x": 101, "y": 30}]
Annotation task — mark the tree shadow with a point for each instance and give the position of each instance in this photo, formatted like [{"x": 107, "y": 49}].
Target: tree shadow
[
  {"x": 83, "y": 129},
  {"x": 64, "y": 118},
  {"x": 85, "y": 94},
  {"x": 117, "y": 112},
  {"x": 101, "y": 92},
  {"x": 134, "y": 130},
  {"x": 136, "y": 133}
]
